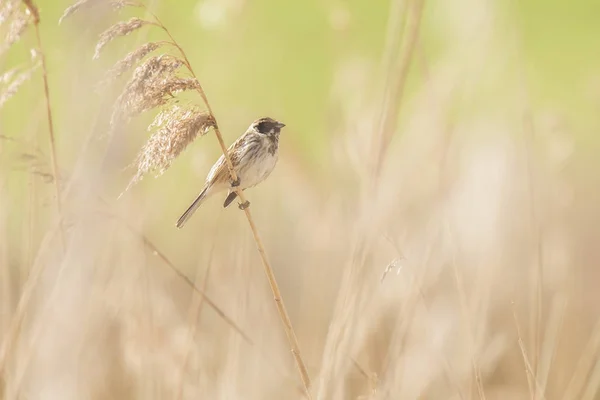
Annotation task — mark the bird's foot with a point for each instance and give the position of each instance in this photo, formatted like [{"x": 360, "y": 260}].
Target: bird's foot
[
  {"x": 235, "y": 183},
  {"x": 244, "y": 205}
]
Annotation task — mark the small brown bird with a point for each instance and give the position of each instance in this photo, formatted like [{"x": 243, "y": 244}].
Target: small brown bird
[{"x": 253, "y": 155}]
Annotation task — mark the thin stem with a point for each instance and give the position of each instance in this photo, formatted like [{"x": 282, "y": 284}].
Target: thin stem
[
  {"x": 462, "y": 297},
  {"x": 202, "y": 94},
  {"x": 532, "y": 382},
  {"x": 201, "y": 292},
  {"x": 187, "y": 280},
  {"x": 395, "y": 83},
  {"x": 285, "y": 319},
  {"x": 53, "y": 158},
  {"x": 194, "y": 320},
  {"x": 537, "y": 306},
  {"x": 19, "y": 315},
  {"x": 528, "y": 370},
  {"x": 535, "y": 223}
]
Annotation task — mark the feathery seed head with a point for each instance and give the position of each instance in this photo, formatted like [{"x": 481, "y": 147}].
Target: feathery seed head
[
  {"x": 122, "y": 28},
  {"x": 15, "y": 84},
  {"x": 153, "y": 84},
  {"x": 17, "y": 21},
  {"x": 130, "y": 59},
  {"x": 7, "y": 9},
  {"x": 176, "y": 127},
  {"x": 85, "y": 4},
  {"x": 7, "y": 76}
]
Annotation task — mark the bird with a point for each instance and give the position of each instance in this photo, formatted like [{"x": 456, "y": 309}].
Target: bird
[{"x": 253, "y": 155}]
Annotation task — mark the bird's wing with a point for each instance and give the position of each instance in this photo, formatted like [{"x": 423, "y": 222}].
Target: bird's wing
[{"x": 219, "y": 172}]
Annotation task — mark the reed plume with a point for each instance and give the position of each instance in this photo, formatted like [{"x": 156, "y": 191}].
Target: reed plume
[
  {"x": 153, "y": 85},
  {"x": 119, "y": 29},
  {"x": 13, "y": 79},
  {"x": 129, "y": 61},
  {"x": 14, "y": 20},
  {"x": 176, "y": 127},
  {"x": 15, "y": 17}
]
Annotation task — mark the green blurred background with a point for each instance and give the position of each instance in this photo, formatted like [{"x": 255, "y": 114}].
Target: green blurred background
[
  {"x": 283, "y": 59},
  {"x": 263, "y": 57}
]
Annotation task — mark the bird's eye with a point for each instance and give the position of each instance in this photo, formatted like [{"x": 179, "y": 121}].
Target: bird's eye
[{"x": 264, "y": 127}]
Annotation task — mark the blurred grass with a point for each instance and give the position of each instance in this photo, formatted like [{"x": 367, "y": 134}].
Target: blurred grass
[{"x": 458, "y": 156}]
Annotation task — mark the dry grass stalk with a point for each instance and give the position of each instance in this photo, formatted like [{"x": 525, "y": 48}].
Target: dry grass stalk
[
  {"x": 117, "y": 30},
  {"x": 33, "y": 10},
  {"x": 176, "y": 128},
  {"x": 194, "y": 313},
  {"x": 32, "y": 160},
  {"x": 394, "y": 84},
  {"x": 395, "y": 75},
  {"x": 200, "y": 292},
  {"x": 33, "y": 16}
]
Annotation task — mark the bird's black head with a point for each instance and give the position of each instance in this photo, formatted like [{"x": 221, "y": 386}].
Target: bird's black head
[{"x": 267, "y": 126}]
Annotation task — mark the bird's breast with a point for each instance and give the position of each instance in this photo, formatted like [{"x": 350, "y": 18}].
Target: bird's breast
[{"x": 259, "y": 171}]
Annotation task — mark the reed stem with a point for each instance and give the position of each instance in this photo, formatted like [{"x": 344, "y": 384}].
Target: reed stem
[{"x": 281, "y": 309}]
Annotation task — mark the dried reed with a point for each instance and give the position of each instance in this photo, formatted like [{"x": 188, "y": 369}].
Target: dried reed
[
  {"x": 396, "y": 67},
  {"x": 129, "y": 61},
  {"x": 154, "y": 84},
  {"x": 32, "y": 16},
  {"x": 395, "y": 79},
  {"x": 176, "y": 127},
  {"x": 18, "y": 20},
  {"x": 51, "y": 136},
  {"x": 117, "y": 30},
  {"x": 14, "y": 81}
]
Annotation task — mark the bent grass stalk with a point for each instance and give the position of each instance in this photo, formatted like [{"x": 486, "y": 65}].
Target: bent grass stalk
[
  {"x": 285, "y": 319},
  {"x": 51, "y": 136},
  {"x": 30, "y": 284},
  {"x": 396, "y": 78}
]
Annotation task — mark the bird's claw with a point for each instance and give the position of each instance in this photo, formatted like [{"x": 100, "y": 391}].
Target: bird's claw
[
  {"x": 244, "y": 205},
  {"x": 236, "y": 182}
]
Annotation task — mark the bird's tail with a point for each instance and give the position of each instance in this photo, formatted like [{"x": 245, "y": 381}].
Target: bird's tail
[{"x": 190, "y": 211}]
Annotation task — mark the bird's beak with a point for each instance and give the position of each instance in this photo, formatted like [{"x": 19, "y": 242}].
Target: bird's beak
[{"x": 280, "y": 124}]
